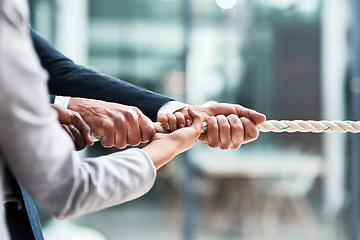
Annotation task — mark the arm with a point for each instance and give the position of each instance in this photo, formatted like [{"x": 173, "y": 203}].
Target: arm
[
  {"x": 228, "y": 123},
  {"x": 164, "y": 147},
  {"x": 74, "y": 126},
  {"x": 36, "y": 149},
  {"x": 68, "y": 79},
  {"x": 118, "y": 125}
]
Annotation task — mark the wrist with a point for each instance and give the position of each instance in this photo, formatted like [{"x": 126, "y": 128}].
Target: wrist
[
  {"x": 171, "y": 107},
  {"x": 62, "y": 101},
  {"x": 160, "y": 155},
  {"x": 74, "y": 103}
]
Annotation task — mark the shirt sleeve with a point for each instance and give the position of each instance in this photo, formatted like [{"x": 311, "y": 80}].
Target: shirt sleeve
[
  {"x": 62, "y": 101},
  {"x": 36, "y": 149},
  {"x": 69, "y": 79},
  {"x": 171, "y": 107}
]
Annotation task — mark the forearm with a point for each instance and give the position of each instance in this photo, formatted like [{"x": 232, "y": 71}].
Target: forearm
[
  {"x": 39, "y": 153},
  {"x": 65, "y": 186},
  {"x": 161, "y": 152},
  {"x": 100, "y": 183},
  {"x": 70, "y": 79}
]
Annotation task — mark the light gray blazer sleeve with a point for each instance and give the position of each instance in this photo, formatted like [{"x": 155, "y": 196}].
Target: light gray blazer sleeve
[{"x": 36, "y": 149}]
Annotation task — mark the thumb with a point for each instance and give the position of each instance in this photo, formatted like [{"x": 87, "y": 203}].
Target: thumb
[
  {"x": 196, "y": 118},
  {"x": 64, "y": 116}
]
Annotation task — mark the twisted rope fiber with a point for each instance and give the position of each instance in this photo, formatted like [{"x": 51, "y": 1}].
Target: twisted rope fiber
[
  {"x": 309, "y": 126},
  {"x": 297, "y": 126}
]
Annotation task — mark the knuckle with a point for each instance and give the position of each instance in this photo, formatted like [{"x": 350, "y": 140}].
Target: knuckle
[
  {"x": 76, "y": 117},
  {"x": 136, "y": 111},
  {"x": 171, "y": 116},
  {"x": 211, "y": 124},
  {"x": 108, "y": 125},
  {"x": 179, "y": 115},
  {"x": 130, "y": 116},
  {"x": 133, "y": 114},
  {"x": 76, "y": 114},
  {"x": 161, "y": 119},
  {"x": 129, "y": 112}
]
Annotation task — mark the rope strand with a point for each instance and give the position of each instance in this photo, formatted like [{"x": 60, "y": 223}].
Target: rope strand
[
  {"x": 309, "y": 126},
  {"x": 296, "y": 126}
]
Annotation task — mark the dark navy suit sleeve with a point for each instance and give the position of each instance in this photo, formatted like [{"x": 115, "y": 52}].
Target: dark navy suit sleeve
[
  {"x": 69, "y": 79},
  {"x": 52, "y": 98}
]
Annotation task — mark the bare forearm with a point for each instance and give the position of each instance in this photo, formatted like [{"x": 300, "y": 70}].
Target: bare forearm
[{"x": 161, "y": 152}]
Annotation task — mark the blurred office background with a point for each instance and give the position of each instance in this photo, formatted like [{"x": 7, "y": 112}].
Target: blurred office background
[{"x": 289, "y": 59}]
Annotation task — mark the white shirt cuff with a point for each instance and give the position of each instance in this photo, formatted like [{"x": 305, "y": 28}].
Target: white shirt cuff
[
  {"x": 62, "y": 101},
  {"x": 171, "y": 107}
]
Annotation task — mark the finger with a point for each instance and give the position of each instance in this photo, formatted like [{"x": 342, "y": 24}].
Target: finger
[
  {"x": 253, "y": 115},
  {"x": 126, "y": 130},
  {"x": 120, "y": 141},
  {"x": 180, "y": 118},
  {"x": 172, "y": 121},
  {"x": 224, "y": 132},
  {"x": 147, "y": 129},
  {"x": 108, "y": 135},
  {"x": 67, "y": 130},
  {"x": 187, "y": 116},
  {"x": 237, "y": 131},
  {"x": 212, "y": 134},
  {"x": 196, "y": 118},
  {"x": 82, "y": 126},
  {"x": 80, "y": 143},
  {"x": 64, "y": 116},
  {"x": 251, "y": 131},
  {"x": 188, "y": 120},
  {"x": 134, "y": 135},
  {"x": 165, "y": 123}
]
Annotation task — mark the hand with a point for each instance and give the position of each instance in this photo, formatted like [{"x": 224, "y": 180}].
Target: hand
[
  {"x": 76, "y": 136},
  {"x": 116, "y": 124},
  {"x": 165, "y": 146},
  {"x": 172, "y": 121},
  {"x": 185, "y": 137},
  {"x": 229, "y": 125},
  {"x": 75, "y": 126}
]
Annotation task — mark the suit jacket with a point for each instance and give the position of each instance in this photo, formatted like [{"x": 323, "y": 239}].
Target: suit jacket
[
  {"x": 37, "y": 151},
  {"x": 69, "y": 79}
]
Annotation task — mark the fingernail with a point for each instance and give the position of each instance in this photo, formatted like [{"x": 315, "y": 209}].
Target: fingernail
[
  {"x": 173, "y": 127},
  {"x": 181, "y": 125},
  {"x": 188, "y": 123}
]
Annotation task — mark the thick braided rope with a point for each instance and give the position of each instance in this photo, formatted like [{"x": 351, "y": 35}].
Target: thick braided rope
[
  {"x": 309, "y": 126},
  {"x": 297, "y": 126}
]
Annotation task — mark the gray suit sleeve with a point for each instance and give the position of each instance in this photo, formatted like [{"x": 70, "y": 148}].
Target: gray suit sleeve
[{"x": 36, "y": 149}]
